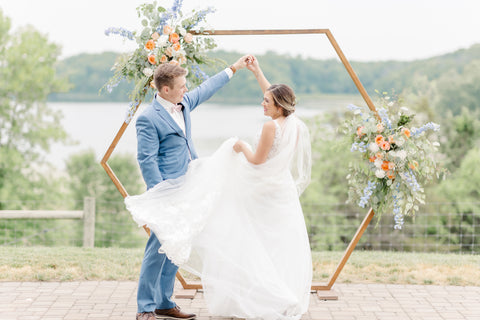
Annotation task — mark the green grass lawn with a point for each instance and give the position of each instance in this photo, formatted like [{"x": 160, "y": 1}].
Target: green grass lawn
[{"x": 75, "y": 264}]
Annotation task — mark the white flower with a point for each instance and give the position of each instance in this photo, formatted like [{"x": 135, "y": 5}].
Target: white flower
[
  {"x": 182, "y": 31},
  {"x": 373, "y": 147},
  {"x": 148, "y": 72},
  {"x": 380, "y": 173},
  {"x": 378, "y": 163},
  {"x": 436, "y": 144},
  {"x": 162, "y": 41},
  {"x": 402, "y": 154}
]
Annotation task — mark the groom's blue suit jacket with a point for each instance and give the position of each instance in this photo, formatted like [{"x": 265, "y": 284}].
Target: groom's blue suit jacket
[{"x": 163, "y": 150}]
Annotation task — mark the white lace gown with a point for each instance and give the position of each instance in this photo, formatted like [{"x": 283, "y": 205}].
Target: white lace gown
[{"x": 239, "y": 227}]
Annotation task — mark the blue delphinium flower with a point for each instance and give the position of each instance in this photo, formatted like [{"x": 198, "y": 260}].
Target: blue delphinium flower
[
  {"x": 359, "y": 146},
  {"x": 382, "y": 112},
  {"x": 367, "y": 193},
  {"x": 411, "y": 180},
  {"x": 199, "y": 74},
  {"x": 201, "y": 16},
  {"x": 429, "y": 126},
  {"x": 120, "y": 31},
  {"x": 397, "y": 213}
]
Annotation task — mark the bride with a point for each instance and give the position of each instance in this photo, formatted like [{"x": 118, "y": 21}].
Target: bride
[{"x": 235, "y": 220}]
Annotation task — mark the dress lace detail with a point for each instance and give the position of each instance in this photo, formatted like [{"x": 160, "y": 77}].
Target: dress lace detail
[{"x": 276, "y": 140}]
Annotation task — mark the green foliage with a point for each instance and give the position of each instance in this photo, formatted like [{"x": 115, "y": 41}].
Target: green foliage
[
  {"x": 88, "y": 179},
  {"x": 308, "y": 77},
  {"x": 27, "y": 125}
]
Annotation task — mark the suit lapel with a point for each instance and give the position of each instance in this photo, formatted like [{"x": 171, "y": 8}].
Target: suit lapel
[
  {"x": 167, "y": 118},
  {"x": 186, "y": 117}
]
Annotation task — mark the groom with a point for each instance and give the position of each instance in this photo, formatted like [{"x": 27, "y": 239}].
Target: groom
[{"x": 165, "y": 148}]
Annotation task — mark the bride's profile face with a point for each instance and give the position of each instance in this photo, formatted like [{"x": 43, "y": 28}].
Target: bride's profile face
[{"x": 269, "y": 107}]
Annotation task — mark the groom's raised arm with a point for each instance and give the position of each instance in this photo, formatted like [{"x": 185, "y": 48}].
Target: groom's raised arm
[{"x": 210, "y": 86}]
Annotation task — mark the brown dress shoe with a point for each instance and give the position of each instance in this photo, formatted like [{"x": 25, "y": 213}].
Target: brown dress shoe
[
  {"x": 174, "y": 313},
  {"x": 145, "y": 316}
]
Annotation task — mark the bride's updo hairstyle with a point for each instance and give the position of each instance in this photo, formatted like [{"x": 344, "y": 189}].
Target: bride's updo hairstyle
[{"x": 284, "y": 97}]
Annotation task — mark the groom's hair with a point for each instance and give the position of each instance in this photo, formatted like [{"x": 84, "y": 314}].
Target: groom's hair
[{"x": 165, "y": 75}]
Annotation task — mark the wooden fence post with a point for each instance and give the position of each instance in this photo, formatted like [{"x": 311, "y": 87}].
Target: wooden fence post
[{"x": 88, "y": 222}]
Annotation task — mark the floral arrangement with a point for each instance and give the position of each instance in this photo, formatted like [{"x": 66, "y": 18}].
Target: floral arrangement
[
  {"x": 395, "y": 159},
  {"x": 167, "y": 37}
]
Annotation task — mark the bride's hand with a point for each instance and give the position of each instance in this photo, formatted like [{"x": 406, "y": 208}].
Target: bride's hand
[
  {"x": 238, "y": 146},
  {"x": 252, "y": 64}
]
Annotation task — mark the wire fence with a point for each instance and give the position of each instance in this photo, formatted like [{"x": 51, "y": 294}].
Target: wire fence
[{"x": 437, "y": 228}]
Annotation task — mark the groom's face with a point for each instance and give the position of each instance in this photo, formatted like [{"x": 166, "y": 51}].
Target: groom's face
[{"x": 179, "y": 88}]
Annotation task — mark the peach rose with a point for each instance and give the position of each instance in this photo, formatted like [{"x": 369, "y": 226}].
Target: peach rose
[
  {"x": 174, "y": 62},
  {"x": 391, "y": 165},
  {"x": 380, "y": 127},
  {"x": 390, "y": 139},
  {"x": 385, "y": 145},
  {"x": 182, "y": 60},
  {"x": 152, "y": 84},
  {"x": 188, "y": 37},
  {"x": 174, "y": 37},
  {"x": 372, "y": 159},
  {"x": 390, "y": 175},
  {"x": 163, "y": 58},
  {"x": 169, "y": 51},
  {"x": 379, "y": 155},
  {"x": 413, "y": 165},
  {"x": 155, "y": 36},
  {"x": 151, "y": 59},
  {"x": 176, "y": 46},
  {"x": 167, "y": 30},
  {"x": 359, "y": 131},
  {"x": 406, "y": 132},
  {"x": 379, "y": 139},
  {"x": 150, "y": 45}
]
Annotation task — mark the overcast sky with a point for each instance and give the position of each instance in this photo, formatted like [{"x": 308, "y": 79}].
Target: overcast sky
[{"x": 366, "y": 30}]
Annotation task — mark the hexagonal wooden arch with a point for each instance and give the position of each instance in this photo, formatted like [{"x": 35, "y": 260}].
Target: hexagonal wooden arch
[{"x": 361, "y": 89}]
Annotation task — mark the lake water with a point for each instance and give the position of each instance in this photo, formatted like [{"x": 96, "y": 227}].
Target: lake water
[{"x": 94, "y": 125}]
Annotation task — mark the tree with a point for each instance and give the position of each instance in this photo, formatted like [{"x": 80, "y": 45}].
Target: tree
[
  {"x": 88, "y": 179},
  {"x": 27, "y": 125}
]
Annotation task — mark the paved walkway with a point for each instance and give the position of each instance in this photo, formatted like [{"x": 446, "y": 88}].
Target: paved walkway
[{"x": 117, "y": 300}]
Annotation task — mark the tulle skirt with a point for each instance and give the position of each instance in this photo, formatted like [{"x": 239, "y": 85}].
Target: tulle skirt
[{"x": 237, "y": 227}]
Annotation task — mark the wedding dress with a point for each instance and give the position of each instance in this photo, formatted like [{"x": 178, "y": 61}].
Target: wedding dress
[{"x": 239, "y": 226}]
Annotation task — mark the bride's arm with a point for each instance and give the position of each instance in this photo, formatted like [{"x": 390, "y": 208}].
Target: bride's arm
[
  {"x": 264, "y": 145},
  {"x": 254, "y": 66}
]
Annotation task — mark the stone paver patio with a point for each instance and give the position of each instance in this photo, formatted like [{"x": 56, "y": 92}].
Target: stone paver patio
[{"x": 117, "y": 300}]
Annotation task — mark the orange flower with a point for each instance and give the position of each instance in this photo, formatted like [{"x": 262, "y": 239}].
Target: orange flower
[
  {"x": 385, "y": 165},
  {"x": 151, "y": 59},
  {"x": 163, "y": 58},
  {"x": 406, "y": 132},
  {"x": 174, "y": 62},
  {"x": 174, "y": 37},
  {"x": 390, "y": 139},
  {"x": 188, "y": 37},
  {"x": 150, "y": 45},
  {"x": 176, "y": 46},
  {"x": 390, "y": 175},
  {"x": 379, "y": 139},
  {"x": 167, "y": 30},
  {"x": 385, "y": 145},
  {"x": 372, "y": 159},
  {"x": 413, "y": 165},
  {"x": 152, "y": 84}
]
